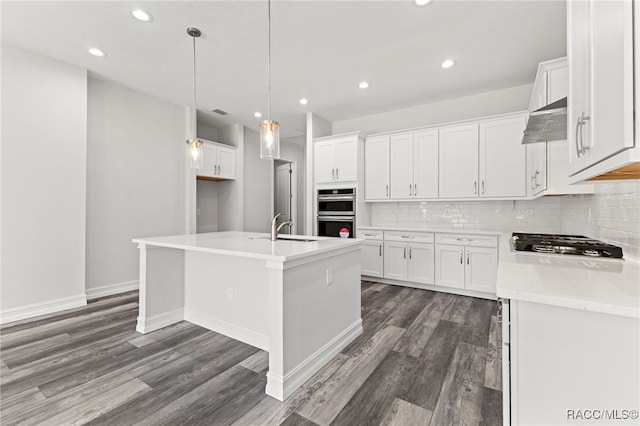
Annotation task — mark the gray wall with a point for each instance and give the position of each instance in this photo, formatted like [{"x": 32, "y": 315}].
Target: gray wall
[
  {"x": 258, "y": 185},
  {"x": 43, "y": 177},
  {"x": 135, "y": 178}
]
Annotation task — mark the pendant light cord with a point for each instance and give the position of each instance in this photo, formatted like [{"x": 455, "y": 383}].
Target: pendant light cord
[
  {"x": 269, "y": 60},
  {"x": 194, "y": 124}
]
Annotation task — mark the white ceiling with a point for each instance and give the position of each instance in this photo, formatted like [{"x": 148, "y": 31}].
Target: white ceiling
[{"x": 321, "y": 50}]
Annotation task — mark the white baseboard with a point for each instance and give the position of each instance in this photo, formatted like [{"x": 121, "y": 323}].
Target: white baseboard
[
  {"x": 42, "y": 308},
  {"x": 243, "y": 334},
  {"x": 282, "y": 387},
  {"x": 111, "y": 289},
  {"x": 156, "y": 322}
]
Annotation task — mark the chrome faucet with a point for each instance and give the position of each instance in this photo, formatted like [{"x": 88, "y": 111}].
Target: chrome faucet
[{"x": 275, "y": 229}]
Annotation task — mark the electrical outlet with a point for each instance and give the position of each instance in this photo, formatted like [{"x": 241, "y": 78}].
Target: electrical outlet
[
  {"x": 529, "y": 212},
  {"x": 329, "y": 276},
  {"x": 230, "y": 293}
]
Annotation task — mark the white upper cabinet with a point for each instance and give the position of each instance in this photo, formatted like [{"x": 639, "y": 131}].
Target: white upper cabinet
[
  {"x": 601, "y": 87},
  {"x": 425, "y": 164},
  {"x": 502, "y": 158},
  {"x": 376, "y": 170},
  {"x": 458, "y": 149},
  {"x": 402, "y": 165},
  {"x": 217, "y": 161},
  {"x": 336, "y": 159}
]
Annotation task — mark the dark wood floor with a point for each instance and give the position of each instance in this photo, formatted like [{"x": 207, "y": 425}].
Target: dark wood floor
[{"x": 424, "y": 358}]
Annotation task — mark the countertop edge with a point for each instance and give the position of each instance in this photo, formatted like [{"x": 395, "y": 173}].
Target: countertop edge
[{"x": 434, "y": 230}]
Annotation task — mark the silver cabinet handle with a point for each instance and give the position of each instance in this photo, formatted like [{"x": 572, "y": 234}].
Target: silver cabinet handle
[
  {"x": 370, "y": 235},
  {"x": 380, "y": 250},
  {"x": 407, "y": 236},
  {"x": 461, "y": 257},
  {"x": 218, "y": 168},
  {"x": 475, "y": 186},
  {"x": 499, "y": 316},
  {"x": 337, "y": 174},
  {"x": 410, "y": 190},
  {"x": 583, "y": 120},
  {"x": 533, "y": 182},
  {"x": 464, "y": 239},
  {"x": 405, "y": 253},
  {"x": 387, "y": 190},
  {"x": 409, "y": 252},
  {"x": 467, "y": 257},
  {"x": 483, "y": 186},
  {"x": 578, "y": 125},
  {"x": 333, "y": 174},
  {"x": 415, "y": 189},
  {"x": 536, "y": 177}
]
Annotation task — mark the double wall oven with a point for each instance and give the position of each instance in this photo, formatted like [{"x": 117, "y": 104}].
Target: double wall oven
[{"x": 337, "y": 212}]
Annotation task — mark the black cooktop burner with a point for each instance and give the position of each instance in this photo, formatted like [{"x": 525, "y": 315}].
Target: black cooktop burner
[{"x": 564, "y": 244}]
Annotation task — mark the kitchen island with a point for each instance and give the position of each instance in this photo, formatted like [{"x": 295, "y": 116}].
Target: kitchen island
[{"x": 297, "y": 298}]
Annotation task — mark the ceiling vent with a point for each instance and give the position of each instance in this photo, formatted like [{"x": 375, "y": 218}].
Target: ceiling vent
[{"x": 219, "y": 111}]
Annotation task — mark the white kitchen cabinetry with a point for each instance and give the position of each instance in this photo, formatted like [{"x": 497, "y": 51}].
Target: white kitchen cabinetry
[
  {"x": 536, "y": 168},
  {"x": 502, "y": 158},
  {"x": 465, "y": 261},
  {"x": 409, "y": 257},
  {"x": 601, "y": 91},
  {"x": 376, "y": 171},
  {"x": 414, "y": 165},
  {"x": 458, "y": 153},
  {"x": 336, "y": 158},
  {"x": 553, "y": 351},
  {"x": 372, "y": 253},
  {"x": 217, "y": 161}
]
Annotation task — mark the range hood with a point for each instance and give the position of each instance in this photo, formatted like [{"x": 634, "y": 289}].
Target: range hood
[{"x": 548, "y": 123}]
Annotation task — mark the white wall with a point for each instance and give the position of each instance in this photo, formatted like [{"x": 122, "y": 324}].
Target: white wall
[
  {"x": 294, "y": 150},
  {"x": 258, "y": 185},
  {"x": 44, "y": 126},
  {"x": 478, "y": 105},
  {"x": 316, "y": 127},
  {"x": 207, "y": 206},
  {"x": 135, "y": 178}
]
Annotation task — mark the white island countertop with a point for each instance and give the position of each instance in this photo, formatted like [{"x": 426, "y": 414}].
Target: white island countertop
[
  {"x": 609, "y": 286},
  {"x": 252, "y": 244}
]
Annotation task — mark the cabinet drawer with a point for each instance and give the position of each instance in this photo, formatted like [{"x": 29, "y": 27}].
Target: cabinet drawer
[
  {"x": 409, "y": 237},
  {"x": 368, "y": 234},
  {"x": 468, "y": 240}
]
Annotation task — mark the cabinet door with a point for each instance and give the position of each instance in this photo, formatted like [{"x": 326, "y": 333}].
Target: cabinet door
[
  {"x": 458, "y": 153},
  {"x": 226, "y": 162},
  {"x": 402, "y": 166},
  {"x": 347, "y": 159},
  {"x": 536, "y": 168},
  {"x": 449, "y": 266},
  {"x": 579, "y": 100},
  {"x": 611, "y": 79},
  {"x": 372, "y": 258},
  {"x": 421, "y": 263},
  {"x": 481, "y": 269},
  {"x": 502, "y": 158},
  {"x": 395, "y": 260},
  {"x": 376, "y": 168},
  {"x": 208, "y": 160},
  {"x": 324, "y": 161},
  {"x": 557, "y": 83},
  {"x": 425, "y": 164}
]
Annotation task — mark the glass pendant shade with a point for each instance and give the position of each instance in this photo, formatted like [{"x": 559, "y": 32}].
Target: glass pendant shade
[
  {"x": 269, "y": 140},
  {"x": 195, "y": 151}
]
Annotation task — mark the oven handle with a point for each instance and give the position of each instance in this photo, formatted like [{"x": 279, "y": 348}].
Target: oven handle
[
  {"x": 336, "y": 197},
  {"x": 336, "y": 218},
  {"x": 336, "y": 213}
]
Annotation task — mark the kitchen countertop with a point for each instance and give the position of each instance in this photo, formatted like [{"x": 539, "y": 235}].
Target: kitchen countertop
[
  {"x": 252, "y": 244},
  {"x": 610, "y": 286},
  {"x": 429, "y": 229}
]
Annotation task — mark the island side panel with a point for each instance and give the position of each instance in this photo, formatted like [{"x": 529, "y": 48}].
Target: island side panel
[
  {"x": 161, "y": 287},
  {"x": 229, "y": 295},
  {"x": 319, "y": 315}
]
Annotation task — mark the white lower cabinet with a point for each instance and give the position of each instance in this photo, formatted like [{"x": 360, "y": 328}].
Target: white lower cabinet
[
  {"x": 449, "y": 266},
  {"x": 372, "y": 258},
  {"x": 481, "y": 269},
  {"x": 421, "y": 266},
  {"x": 395, "y": 260}
]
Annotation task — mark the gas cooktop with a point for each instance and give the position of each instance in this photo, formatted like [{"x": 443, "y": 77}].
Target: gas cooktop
[{"x": 564, "y": 244}]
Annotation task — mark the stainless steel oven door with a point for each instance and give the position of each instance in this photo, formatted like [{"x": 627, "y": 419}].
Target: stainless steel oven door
[
  {"x": 337, "y": 226},
  {"x": 330, "y": 205}
]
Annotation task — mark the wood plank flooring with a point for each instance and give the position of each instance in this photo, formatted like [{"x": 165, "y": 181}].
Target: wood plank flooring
[{"x": 425, "y": 358}]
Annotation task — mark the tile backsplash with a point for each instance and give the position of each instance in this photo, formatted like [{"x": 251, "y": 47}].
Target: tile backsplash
[{"x": 612, "y": 214}]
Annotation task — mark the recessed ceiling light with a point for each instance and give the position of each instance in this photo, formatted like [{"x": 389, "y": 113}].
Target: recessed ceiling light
[
  {"x": 141, "y": 15},
  {"x": 303, "y": 101},
  {"x": 422, "y": 2},
  {"x": 363, "y": 85},
  {"x": 448, "y": 63},
  {"x": 257, "y": 114},
  {"x": 96, "y": 52}
]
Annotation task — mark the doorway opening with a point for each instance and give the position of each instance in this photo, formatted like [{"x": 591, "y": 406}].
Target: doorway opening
[{"x": 285, "y": 194}]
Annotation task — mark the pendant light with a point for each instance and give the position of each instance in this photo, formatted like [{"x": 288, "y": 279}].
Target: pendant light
[
  {"x": 195, "y": 144},
  {"x": 269, "y": 129}
]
